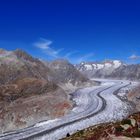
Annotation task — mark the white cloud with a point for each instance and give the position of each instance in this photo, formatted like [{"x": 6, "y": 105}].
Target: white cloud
[
  {"x": 134, "y": 57},
  {"x": 44, "y": 45}
]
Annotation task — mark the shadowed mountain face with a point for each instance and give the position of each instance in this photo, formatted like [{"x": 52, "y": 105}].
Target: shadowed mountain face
[
  {"x": 109, "y": 69},
  {"x": 131, "y": 72},
  {"x": 64, "y": 72},
  {"x": 30, "y": 91},
  {"x": 67, "y": 76}
]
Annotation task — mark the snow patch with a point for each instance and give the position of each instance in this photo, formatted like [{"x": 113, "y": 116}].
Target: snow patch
[
  {"x": 45, "y": 122},
  {"x": 108, "y": 65},
  {"x": 117, "y": 63},
  {"x": 100, "y": 66},
  {"x": 88, "y": 67}
]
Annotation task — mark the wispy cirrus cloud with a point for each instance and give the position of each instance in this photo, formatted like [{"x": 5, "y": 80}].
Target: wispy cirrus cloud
[
  {"x": 134, "y": 57},
  {"x": 69, "y": 54},
  {"x": 44, "y": 45},
  {"x": 85, "y": 57}
]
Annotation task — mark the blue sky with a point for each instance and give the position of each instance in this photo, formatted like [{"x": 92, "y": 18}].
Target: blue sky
[{"x": 78, "y": 30}]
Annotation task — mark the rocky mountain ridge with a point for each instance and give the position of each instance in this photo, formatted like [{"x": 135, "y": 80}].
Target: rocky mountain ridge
[{"x": 109, "y": 69}]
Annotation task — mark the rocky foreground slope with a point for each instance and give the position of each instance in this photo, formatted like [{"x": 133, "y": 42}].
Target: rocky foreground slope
[
  {"x": 127, "y": 129},
  {"x": 29, "y": 91},
  {"x": 110, "y": 69}
]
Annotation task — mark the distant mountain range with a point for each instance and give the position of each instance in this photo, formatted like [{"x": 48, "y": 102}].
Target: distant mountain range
[{"x": 109, "y": 69}]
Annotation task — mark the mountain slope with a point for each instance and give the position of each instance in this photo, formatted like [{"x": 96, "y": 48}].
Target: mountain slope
[
  {"x": 18, "y": 64},
  {"x": 131, "y": 72},
  {"x": 67, "y": 76},
  {"x": 27, "y": 94},
  {"x": 66, "y": 72}
]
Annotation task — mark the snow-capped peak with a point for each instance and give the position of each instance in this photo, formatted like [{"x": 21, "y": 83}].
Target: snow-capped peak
[
  {"x": 90, "y": 66},
  {"x": 117, "y": 63}
]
